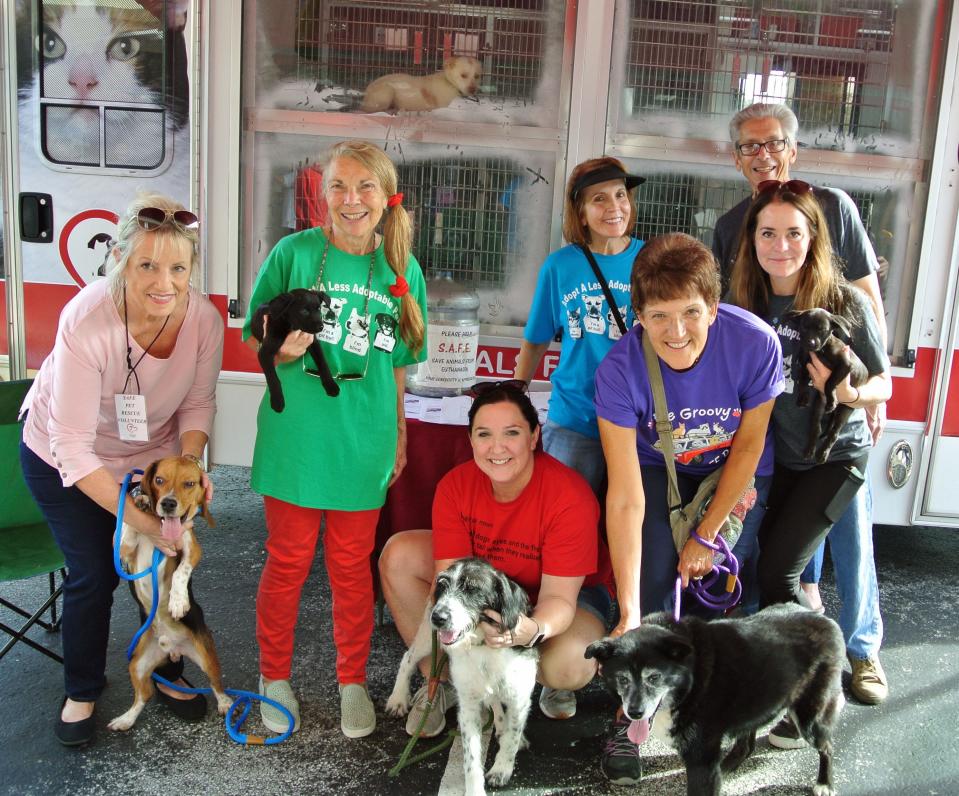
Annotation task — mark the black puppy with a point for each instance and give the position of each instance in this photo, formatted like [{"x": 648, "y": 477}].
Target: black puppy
[
  {"x": 298, "y": 310},
  {"x": 729, "y": 677},
  {"x": 816, "y": 327}
]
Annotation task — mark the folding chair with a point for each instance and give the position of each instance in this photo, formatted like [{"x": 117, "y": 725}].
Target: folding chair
[{"x": 27, "y": 548}]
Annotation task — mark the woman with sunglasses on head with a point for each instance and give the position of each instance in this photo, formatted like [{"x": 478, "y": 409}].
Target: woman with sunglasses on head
[
  {"x": 530, "y": 516},
  {"x": 785, "y": 263},
  {"x": 147, "y": 338},
  {"x": 330, "y": 459}
]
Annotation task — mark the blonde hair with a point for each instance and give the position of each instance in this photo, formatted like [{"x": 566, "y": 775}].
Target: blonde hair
[
  {"x": 397, "y": 229},
  {"x": 130, "y": 235},
  {"x": 573, "y": 228}
]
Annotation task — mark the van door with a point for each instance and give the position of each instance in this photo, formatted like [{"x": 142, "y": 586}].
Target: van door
[{"x": 102, "y": 112}]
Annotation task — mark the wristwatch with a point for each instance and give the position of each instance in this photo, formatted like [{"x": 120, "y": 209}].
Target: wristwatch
[{"x": 538, "y": 638}]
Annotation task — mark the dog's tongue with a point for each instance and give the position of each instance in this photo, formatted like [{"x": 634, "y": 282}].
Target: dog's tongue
[
  {"x": 447, "y": 636},
  {"x": 171, "y": 528},
  {"x": 638, "y": 731}
]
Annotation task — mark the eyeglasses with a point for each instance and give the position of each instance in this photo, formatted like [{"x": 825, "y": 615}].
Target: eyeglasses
[
  {"x": 772, "y": 147},
  {"x": 353, "y": 376},
  {"x": 797, "y": 187},
  {"x": 151, "y": 218},
  {"x": 483, "y": 387}
]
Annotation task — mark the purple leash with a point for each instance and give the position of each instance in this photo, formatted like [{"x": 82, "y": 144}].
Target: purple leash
[{"x": 700, "y": 588}]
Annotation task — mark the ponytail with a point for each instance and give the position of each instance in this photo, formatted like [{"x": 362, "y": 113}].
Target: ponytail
[{"x": 397, "y": 240}]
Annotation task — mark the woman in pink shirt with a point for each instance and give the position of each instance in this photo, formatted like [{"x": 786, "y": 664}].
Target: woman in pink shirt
[{"x": 131, "y": 378}]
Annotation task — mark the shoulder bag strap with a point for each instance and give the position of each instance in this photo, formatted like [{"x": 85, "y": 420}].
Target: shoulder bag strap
[
  {"x": 605, "y": 286},
  {"x": 663, "y": 427}
]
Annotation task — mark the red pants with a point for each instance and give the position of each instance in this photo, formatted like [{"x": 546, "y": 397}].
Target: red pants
[{"x": 291, "y": 543}]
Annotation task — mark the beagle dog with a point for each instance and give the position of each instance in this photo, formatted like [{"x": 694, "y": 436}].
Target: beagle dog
[{"x": 171, "y": 488}]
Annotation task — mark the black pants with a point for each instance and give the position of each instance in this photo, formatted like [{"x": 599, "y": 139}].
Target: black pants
[{"x": 802, "y": 507}]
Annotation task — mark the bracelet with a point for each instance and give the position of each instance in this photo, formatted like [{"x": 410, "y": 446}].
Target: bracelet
[{"x": 195, "y": 459}]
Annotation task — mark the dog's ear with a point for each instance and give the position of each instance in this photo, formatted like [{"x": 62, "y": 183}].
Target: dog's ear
[
  {"x": 601, "y": 650},
  {"x": 677, "y": 648},
  {"x": 842, "y": 324},
  {"x": 512, "y": 601},
  {"x": 205, "y": 513},
  {"x": 147, "y": 490},
  {"x": 449, "y": 62}
]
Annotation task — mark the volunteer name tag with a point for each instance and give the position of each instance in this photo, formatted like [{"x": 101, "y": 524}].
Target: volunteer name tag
[{"x": 132, "y": 418}]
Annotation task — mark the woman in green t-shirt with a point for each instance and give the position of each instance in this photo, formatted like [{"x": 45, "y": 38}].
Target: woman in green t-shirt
[{"x": 330, "y": 459}]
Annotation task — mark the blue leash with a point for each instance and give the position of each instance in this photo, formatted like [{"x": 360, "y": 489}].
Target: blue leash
[{"x": 244, "y": 699}]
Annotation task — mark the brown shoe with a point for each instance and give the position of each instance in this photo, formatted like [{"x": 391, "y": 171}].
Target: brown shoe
[{"x": 868, "y": 683}]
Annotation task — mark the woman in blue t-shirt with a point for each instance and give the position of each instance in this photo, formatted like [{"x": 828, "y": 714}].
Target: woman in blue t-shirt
[{"x": 599, "y": 212}]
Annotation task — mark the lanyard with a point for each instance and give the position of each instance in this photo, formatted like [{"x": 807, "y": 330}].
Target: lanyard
[{"x": 132, "y": 366}]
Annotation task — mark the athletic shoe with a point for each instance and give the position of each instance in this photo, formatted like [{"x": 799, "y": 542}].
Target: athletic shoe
[
  {"x": 557, "y": 703},
  {"x": 868, "y": 684},
  {"x": 436, "y": 720},
  {"x": 785, "y": 735},
  {"x": 357, "y": 716},
  {"x": 274, "y": 719},
  {"x": 621, "y": 763}
]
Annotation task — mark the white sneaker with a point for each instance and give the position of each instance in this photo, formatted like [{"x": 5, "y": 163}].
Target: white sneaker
[
  {"x": 273, "y": 719},
  {"x": 357, "y": 715},
  {"x": 556, "y": 703},
  {"x": 436, "y": 720}
]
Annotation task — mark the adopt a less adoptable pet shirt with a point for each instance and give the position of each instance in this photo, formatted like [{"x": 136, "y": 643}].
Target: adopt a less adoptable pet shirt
[{"x": 333, "y": 452}]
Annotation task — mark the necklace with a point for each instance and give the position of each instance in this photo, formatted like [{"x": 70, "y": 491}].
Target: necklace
[
  {"x": 369, "y": 277},
  {"x": 132, "y": 366}
]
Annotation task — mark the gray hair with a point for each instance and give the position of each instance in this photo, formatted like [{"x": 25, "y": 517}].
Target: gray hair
[
  {"x": 130, "y": 235},
  {"x": 761, "y": 110}
]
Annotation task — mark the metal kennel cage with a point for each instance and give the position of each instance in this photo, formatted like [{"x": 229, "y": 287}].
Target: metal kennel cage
[
  {"x": 463, "y": 213},
  {"x": 349, "y": 44},
  {"x": 830, "y": 62}
]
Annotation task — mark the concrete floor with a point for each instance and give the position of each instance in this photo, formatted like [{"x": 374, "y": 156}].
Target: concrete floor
[{"x": 906, "y": 746}]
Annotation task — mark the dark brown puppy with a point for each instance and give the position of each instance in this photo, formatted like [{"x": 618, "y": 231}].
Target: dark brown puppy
[
  {"x": 299, "y": 310},
  {"x": 816, "y": 327}
]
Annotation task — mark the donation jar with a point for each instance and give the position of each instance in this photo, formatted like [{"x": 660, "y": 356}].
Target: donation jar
[{"x": 452, "y": 336}]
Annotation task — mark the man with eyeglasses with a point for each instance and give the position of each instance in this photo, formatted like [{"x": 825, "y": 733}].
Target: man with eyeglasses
[{"x": 764, "y": 138}]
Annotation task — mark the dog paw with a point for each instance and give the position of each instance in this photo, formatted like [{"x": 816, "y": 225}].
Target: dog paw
[
  {"x": 497, "y": 777},
  {"x": 822, "y": 790},
  {"x": 223, "y": 704},
  {"x": 277, "y": 404},
  {"x": 332, "y": 389},
  {"x": 179, "y": 605},
  {"x": 398, "y": 706},
  {"x": 123, "y": 722}
]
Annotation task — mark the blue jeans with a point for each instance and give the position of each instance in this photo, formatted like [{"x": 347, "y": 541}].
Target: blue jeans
[
  {"x": 84, "y": 532},
  {"x": 850, "y": 547},
  {"x": 746, "y": 549},
  {"x": 584, "y": 454}
]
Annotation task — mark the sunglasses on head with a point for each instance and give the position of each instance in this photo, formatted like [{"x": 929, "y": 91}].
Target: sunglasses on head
[
  {"x": 150, "y": 218},
  {"x": 797, "y": 187},
  {"x": 483, "y": 387}
]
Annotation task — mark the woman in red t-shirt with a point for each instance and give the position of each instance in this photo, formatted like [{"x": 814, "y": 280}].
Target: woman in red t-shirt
[{"x": 530, "y": 516}]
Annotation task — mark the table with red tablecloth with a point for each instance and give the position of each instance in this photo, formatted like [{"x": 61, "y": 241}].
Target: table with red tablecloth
[{"x": 432, "y": 450}]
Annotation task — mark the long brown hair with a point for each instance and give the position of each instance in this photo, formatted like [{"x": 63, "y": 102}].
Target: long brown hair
[
  {"x": 573, "y": 228},
  {"x": 397, "y": 229},
  {"x": 821, "y": 283}
]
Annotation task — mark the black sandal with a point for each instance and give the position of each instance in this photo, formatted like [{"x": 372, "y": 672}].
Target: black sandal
[
  {"x": 74, "y": 733},
  {"x": 186, "y": 709}
]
